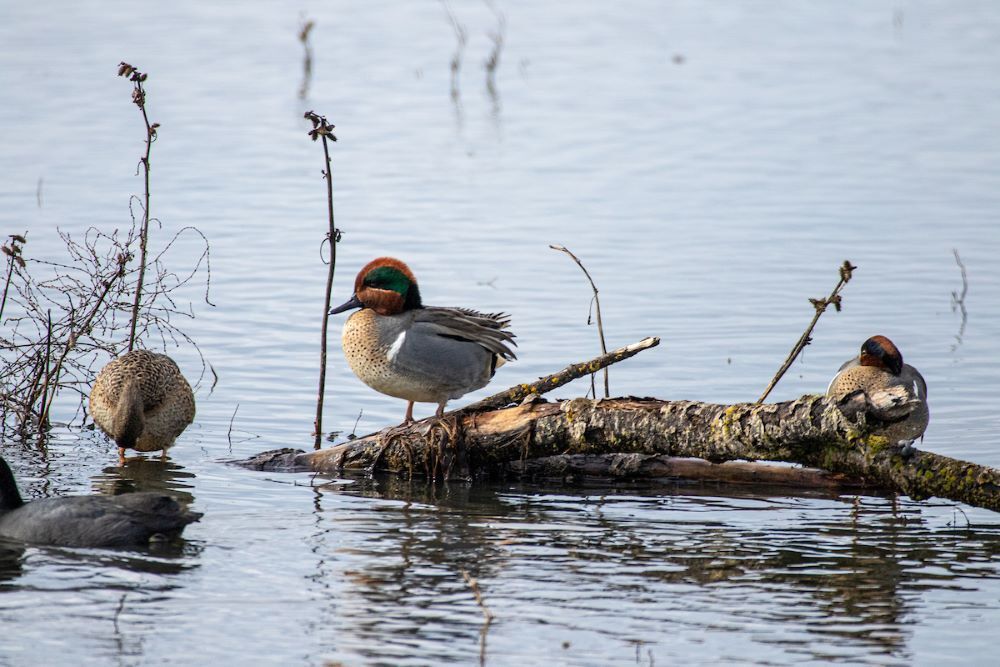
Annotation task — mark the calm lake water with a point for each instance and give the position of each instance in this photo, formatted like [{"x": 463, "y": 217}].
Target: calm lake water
[{"x": 712, "y": 164}]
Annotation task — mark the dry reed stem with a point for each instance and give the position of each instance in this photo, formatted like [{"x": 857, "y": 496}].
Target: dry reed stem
[
  {"x": 597, "y": 306},
  {"x": 139, "y": 98},
  {"x": 323, "y": 130}
]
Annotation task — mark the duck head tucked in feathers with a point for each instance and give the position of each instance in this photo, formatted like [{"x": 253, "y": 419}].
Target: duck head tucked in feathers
[{"x": 897, "y": 389}]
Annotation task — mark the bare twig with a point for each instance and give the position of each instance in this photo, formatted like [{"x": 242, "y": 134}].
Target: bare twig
[
  {"x": 597, "y": 306},
  {"x": 73, "y": 337},
  {"x": 820, "y": 305},
  {"x": 45, "y": 381},
  {"x": 13, "y": 252},
  {"x": 139, "y": 98},
  {"x": 323, "y": 129},
  {"x": 542, "y": 385}
]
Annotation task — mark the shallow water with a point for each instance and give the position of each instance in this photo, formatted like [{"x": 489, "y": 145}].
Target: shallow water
[{"x": 711, "y": 164}]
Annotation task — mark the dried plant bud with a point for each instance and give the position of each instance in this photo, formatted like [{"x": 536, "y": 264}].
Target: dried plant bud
[
  {"x": 7, "y": 251},
  {"x": 846, "y": 271},
  {"x": 18, "y": 238},
  {"x": 20, "y": 262},
  {"x": 836, "y": 302},
  {"x": 154, "y": 126},
  {"x": 124, "y": 69},
  {"x": 142, "y": 77},
  {"x": 818, "y": 304}
]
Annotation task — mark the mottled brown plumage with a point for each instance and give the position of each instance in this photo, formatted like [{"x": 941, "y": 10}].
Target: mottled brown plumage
[{"x": 142, "y": 401}]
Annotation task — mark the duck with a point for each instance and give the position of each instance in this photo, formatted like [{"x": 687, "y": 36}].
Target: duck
[
  {"x": 893, "y": 386},
  {"x": 128, "y": 520},
  {"x": 142, "y": 402},
  {"x": 421, "y": 354}
]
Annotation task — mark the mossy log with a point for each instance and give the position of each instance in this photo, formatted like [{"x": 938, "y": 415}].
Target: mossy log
[
  {"x": 811, "y": 431},
  {"x": 635, "y": 437}
]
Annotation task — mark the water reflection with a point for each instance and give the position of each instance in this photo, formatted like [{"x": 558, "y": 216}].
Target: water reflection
[
  {"x": 146, "y": 474},
  {"x": 958, "y": 301},
  {"x": 11, "y": 555},
  {"x": 837, "y": 571}
]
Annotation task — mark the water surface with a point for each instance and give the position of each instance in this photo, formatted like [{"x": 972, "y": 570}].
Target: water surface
[{"x": 712, "y": 165}]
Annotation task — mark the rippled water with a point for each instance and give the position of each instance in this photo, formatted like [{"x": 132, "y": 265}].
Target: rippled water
[{"x": 711, "y": 164}]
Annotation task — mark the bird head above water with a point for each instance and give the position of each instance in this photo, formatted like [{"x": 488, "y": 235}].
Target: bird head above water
[
  {"x": 386, "y": 285},
  {"x": 880, "y": 352},
  {"x": 401, "y": 348}
]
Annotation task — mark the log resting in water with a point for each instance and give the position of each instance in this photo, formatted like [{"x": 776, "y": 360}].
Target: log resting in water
[{"x": 812, "y": 431}]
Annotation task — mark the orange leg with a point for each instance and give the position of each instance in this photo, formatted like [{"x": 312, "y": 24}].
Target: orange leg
[
  {"x": 440, "y": 410},
  {"x": 409, "y": 413},
  {"x": 121, "y": 456}
]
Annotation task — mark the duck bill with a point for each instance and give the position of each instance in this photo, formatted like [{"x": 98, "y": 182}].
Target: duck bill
[{"x": 351, "y": 304}]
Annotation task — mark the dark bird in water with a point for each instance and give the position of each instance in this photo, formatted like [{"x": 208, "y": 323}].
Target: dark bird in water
[
  {"x": 128, "y": 520},
  {"x": 893, "y": 387},
  {"x": 142, "y": 401}
]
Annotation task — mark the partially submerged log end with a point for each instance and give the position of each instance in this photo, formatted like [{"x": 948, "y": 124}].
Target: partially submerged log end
[{"x": 279, "y": 460}]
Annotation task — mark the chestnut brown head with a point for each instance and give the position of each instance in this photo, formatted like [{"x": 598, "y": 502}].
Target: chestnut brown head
[
  {"x": 386, "y": 285},
  {"x": 882, "y": 353}
]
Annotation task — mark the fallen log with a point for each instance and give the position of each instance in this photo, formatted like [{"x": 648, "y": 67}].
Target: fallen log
[{"x": 813, "y": 431}]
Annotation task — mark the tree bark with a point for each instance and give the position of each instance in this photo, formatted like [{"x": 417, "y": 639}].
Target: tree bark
[
  {"x": 812, "y": 431},
  {"x": 643, "y": 437}
]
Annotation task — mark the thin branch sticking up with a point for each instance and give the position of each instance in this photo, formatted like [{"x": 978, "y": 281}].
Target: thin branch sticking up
[
  {"x": 542, "y": 385},
  {"x": 13, "y": 251},
  {"x": 597, "y": 306},
  {"x": 139, "y": 98},
  {"x": 820, "y": 305},
  {"x": 323, "y": 129}
]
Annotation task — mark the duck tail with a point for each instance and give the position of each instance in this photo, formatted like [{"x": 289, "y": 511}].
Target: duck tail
[
  {"x": 130, "y": 416},
  {"x": 10, "y": 498}
]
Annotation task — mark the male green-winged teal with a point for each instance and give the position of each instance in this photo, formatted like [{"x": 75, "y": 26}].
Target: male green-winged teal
[
  {"x": 879, "y": 368},
  {"x": 401, "y": 348},
  {"x": 142, "y": 401}
]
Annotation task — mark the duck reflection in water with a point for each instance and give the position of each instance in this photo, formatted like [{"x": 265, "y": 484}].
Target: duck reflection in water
[{"x": 138, "y": 473}]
